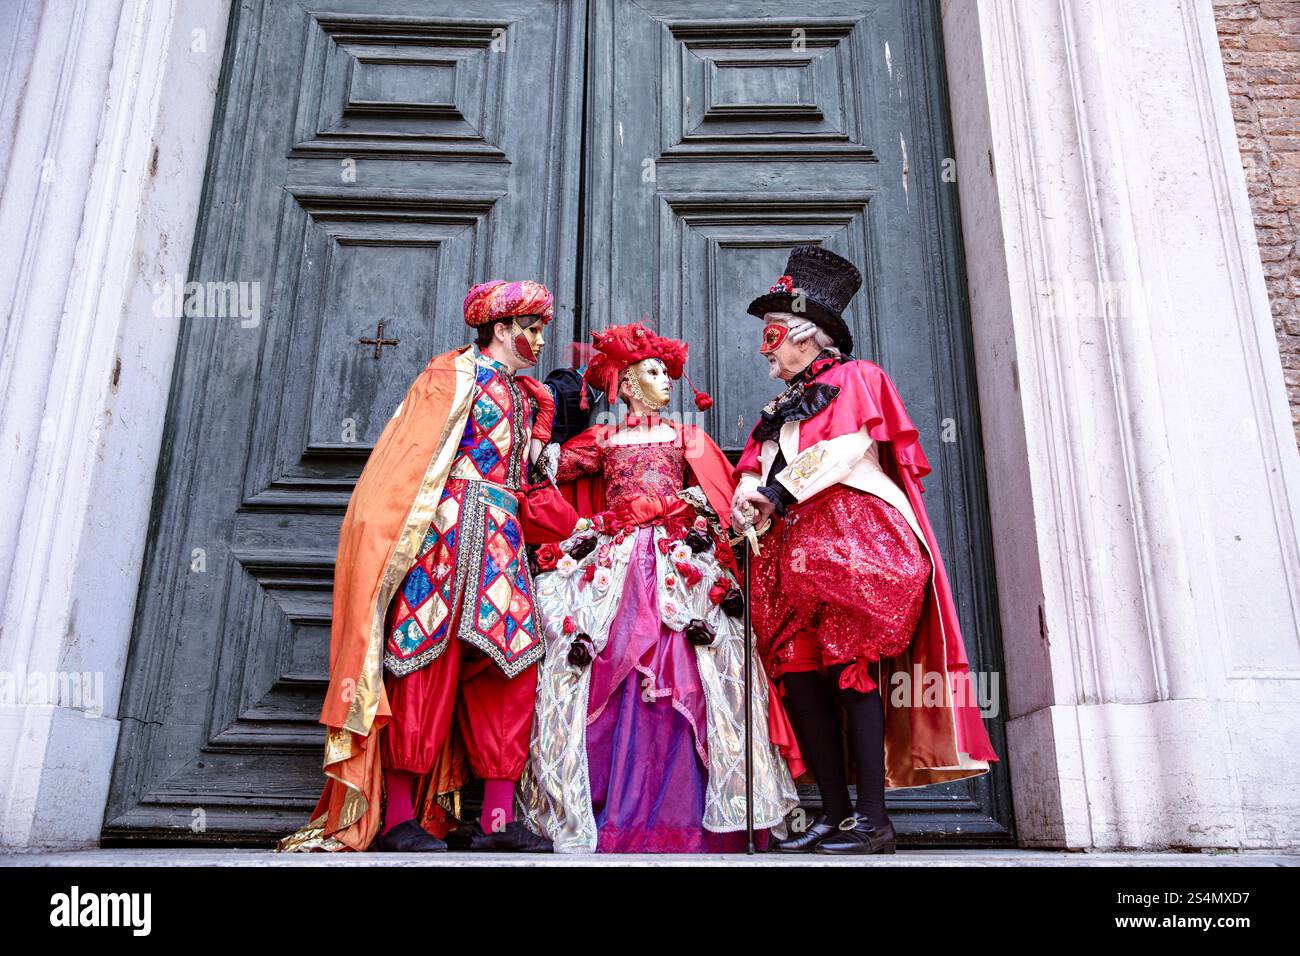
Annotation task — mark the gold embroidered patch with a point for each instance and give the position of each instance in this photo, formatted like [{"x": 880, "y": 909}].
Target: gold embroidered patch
[{"x": 804, "y": 468}]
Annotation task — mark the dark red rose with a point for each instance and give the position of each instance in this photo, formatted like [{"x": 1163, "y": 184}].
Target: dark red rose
[
  {"x": 699, "y": 632},
  {"x": 699, "y": 541},
  {"x": 581, "y": 548},
  {"x": 733, "y": 602},
  {"x": 581, "y": 651}
]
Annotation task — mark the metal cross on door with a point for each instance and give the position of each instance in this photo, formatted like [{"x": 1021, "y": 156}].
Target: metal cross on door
[{"x": 378, "y": 340}]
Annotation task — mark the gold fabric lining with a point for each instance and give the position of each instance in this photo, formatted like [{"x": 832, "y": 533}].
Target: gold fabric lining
[{"x": 365, "y": 702}]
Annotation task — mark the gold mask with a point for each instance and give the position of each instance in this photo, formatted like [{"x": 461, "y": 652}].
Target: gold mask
[{"x": 648, "y": 380}]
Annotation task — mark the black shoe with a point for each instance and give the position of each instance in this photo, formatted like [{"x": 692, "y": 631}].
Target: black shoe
[
  {"x": 409, "y": 837},
  {"x": 807, "y": 840},
  {"x": 515, "y": 838},
  {"x": 857, "y": 835}
]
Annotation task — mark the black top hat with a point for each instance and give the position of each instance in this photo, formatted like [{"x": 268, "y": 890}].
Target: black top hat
[{"x": 827, "y": 282}]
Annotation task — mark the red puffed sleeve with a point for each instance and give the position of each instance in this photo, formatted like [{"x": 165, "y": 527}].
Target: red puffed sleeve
[{"x": 580, "y": 457}]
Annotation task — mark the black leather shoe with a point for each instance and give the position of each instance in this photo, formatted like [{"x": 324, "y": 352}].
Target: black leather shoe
[
  {"x": 807, "y": 840},
  {"x": 857, "y": 835},
  {"x": 515, "y": 838},
  {"x": 409, "y": 837}
]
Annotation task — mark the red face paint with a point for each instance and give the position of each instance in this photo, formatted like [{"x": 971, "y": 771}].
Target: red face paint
[{"x": 773, "y": 335}]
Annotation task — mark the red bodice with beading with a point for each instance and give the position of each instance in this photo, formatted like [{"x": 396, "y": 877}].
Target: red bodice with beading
[{"x": 630, "y": 471}]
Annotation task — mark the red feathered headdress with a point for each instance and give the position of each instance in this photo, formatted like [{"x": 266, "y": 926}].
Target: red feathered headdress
[{"x": 622, "y": 345}]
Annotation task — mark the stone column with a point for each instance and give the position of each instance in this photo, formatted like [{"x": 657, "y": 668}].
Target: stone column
[
  {"x": 108, "y": 107},
  {"x": 1144, "y": 479}
]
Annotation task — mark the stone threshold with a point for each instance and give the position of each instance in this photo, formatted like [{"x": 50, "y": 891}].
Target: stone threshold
[{"x": 195, "y": 857}]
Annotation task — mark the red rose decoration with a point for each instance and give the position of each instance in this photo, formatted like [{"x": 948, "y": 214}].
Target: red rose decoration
[
  {"x": 547, "y": 556},
  {"x": 665, "y": 544},
  {"x": 692, "y": 575},
  {"x": 568, "y": 626},
  {"x": 717, "y": 591},
  {"x": 589, "y": 573}
]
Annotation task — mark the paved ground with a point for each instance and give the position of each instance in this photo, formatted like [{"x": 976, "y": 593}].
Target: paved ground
[{"x": 910, "y": 858}]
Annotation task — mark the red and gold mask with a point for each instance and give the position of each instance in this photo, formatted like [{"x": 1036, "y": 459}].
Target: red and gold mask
[{"x": 774, "y": 334}]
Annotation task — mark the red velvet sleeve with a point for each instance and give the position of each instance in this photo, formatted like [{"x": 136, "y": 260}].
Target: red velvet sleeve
[{"x": 748, "y": 461}]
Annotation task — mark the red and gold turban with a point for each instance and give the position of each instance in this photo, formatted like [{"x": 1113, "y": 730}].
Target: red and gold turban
[
  {"x": 623, "y": 345},
  {"x": 498, "y": 299}
]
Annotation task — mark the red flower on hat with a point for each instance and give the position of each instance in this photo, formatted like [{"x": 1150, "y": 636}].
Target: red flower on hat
[{"x": 783, "y": 284}]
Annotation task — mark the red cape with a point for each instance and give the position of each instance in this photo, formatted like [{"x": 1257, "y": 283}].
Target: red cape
[{"x": 935, "y": 735}]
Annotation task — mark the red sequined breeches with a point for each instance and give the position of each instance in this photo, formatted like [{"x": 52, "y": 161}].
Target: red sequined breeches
[{"x": 841, "y": 578}]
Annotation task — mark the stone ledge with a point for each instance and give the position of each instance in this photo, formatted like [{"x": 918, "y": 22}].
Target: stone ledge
[{"x": 905, "y": 858}]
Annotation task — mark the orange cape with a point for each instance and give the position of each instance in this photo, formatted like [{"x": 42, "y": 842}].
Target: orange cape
[{"x": 387, "y": 517}]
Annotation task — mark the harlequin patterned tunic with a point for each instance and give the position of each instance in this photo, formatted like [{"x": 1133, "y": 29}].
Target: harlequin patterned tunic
[{"x": 472, "y": 560}]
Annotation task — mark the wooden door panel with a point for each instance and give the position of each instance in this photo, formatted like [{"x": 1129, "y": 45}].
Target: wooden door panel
[
  {"x": 371, "y": 159},
  {"x": 723, "y": 134}
]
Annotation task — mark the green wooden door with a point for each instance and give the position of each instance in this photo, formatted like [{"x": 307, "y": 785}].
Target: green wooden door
[
  {"x": 720, "y": 135},
  {"x": 707, "y": 139}
]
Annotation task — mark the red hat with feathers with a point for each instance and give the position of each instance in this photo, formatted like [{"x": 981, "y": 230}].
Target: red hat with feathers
[{"x": 622, "y": 345}]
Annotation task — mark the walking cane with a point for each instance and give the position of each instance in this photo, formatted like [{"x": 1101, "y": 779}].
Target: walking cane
[
  {"x": 750, "y": 540},
  {"x": 749, "y": 717}
]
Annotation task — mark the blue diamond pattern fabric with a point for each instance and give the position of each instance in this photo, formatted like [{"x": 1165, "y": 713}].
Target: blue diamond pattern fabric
[
  {"x": 485, "y": 455},
  {"x": 417, "y": 586}
]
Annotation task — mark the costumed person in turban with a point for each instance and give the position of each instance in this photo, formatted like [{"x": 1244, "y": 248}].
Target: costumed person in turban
[
  {"x": 434, "y": 640},
  {"x": 639, "y": 741},
  {"x": 833, "y": 471}
]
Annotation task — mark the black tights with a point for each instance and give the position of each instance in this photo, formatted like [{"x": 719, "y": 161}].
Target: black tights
[{"x": 810, "y": 699}]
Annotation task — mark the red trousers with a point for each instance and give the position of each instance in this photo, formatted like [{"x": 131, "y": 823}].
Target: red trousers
[{"x": 494, "y": 714}]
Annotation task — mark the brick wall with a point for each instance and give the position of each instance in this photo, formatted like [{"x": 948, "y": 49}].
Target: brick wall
[{"x": 1261, "y": 55}]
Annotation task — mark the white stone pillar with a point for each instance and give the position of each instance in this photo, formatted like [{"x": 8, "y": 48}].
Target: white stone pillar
[
  {"x": 1144, "y": 479},
  {"x": 110, "y": 105}
]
